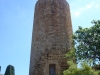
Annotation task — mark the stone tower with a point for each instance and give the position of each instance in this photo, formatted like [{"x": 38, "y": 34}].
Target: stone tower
[{"x": 51, "y": 37}]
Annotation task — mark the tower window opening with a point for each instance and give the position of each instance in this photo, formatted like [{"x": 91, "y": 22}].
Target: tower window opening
[{"x": 52, "y": 69}]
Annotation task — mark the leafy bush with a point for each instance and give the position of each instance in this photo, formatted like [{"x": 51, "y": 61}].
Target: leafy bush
[{"x": 84, "y": 70}]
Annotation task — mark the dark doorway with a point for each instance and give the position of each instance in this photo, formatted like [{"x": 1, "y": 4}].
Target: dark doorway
[{"x": 52, "y": 70}]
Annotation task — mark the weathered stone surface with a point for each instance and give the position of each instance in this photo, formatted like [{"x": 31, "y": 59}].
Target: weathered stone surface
[{"x": 51, "y": 37}]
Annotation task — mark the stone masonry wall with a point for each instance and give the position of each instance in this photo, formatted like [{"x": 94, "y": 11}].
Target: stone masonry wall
[{"x": 51, "y": 37}]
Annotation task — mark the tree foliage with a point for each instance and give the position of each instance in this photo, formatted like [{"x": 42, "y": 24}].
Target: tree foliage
[
  {"x": 84, "y": 70},
  {"x": 10, "y": 70},
  {"x": 85, "y": 46},
  {"x": 87, "y": 42}
]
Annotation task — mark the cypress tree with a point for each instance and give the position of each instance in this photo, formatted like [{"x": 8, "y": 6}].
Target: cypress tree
[
  {"x": 10, "y": 70},
  {"x": 0, "y": 68}
]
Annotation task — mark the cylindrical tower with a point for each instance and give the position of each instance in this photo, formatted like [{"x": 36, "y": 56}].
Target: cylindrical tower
[{"x": 51, "y": 37}]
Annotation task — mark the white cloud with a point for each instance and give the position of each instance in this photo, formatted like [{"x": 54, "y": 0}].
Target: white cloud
[
  {"x": 88, "y": 6},
  {"x": 77, "y": 14},
  {"x": 97, "y": 6},
  {"x": 18, "y": 8}
]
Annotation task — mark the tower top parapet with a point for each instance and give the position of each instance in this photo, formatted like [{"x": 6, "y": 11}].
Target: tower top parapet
[{"x": 61, "y": 1}]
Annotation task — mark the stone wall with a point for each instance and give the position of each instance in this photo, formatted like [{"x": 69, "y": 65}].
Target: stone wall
[{"x": 51, "y": 37}]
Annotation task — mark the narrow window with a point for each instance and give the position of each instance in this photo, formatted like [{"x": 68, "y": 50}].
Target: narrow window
[{"x": 52, "y": 70}]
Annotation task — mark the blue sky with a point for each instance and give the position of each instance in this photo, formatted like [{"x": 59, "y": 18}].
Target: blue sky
[{"x": 16, "y": 22}]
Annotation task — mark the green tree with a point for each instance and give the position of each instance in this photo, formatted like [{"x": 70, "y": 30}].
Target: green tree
[
  {"x": 10, "y": 70},
  {"x": 87, "y": 42},
  {"x": 84, "y": 70}
]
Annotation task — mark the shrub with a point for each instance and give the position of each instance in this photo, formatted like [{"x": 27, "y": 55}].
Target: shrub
[{"x": 84, "y": 70}]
